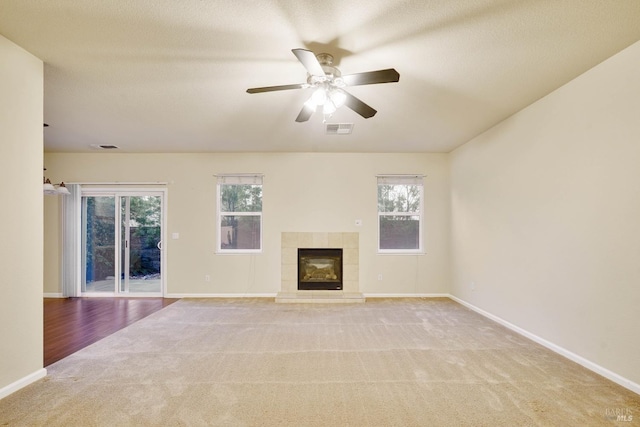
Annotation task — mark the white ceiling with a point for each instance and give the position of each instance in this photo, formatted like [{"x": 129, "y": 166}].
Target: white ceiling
[{"x": 171, "y": 75}]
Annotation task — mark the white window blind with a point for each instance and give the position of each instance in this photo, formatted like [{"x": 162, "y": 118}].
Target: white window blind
[
  {"x": 238, "y": 179},
  {"x": 400, "y": 179}
]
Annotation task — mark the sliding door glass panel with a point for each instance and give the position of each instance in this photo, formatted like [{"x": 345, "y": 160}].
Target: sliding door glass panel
[
  {"x": 98, "y": 244},
  {"x": 141, "y": 234}
]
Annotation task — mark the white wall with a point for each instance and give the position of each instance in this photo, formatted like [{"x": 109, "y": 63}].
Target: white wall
[
  {"x": 302, "y": 192},
  {"x": 546, "y": 217},
  {"x": 21, "y": 103}
]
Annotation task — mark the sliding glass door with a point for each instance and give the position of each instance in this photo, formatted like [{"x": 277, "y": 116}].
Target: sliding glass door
[
  {"x": 122, "y": 244},
  {"x": 98, "y": 244},
  {"x": 141, "y": 237}
]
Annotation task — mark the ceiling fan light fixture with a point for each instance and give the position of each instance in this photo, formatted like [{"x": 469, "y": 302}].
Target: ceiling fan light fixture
[
  {"x": 337, "y": 97},
  {"x": 328, "y": 108},
  {"x": 328, "y": 83},
  {"x": 310, "y": 104},
  {"x": 319, "y": 96}
]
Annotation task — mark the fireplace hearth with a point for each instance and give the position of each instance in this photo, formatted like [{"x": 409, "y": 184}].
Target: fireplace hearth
[{"x": 319, "y": 269}]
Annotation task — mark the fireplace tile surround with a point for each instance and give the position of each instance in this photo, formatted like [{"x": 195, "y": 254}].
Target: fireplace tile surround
[{"x": 349, "y": 242}]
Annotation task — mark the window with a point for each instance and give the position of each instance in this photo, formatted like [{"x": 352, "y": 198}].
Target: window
[
  {"x": 239, "y": 213},
  {"x": 400, "y": 213}
]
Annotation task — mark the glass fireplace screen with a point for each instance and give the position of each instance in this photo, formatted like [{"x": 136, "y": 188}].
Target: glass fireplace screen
[{"x": 319, "y": 269}]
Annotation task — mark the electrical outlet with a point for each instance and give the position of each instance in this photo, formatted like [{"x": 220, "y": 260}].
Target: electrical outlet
[
  {"x": 380, "y": 276},
  {"x": 473, "y": 286},
  {"x": 207, "y": 278}
]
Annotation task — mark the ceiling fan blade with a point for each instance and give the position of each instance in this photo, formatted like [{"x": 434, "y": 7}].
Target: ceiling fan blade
[
  {"x": 274, "y": 88},
  {"x": 305, "y": 113},
  {"x": 389, "y": 75},
  {"x": 358, "y": 106},
  {"x": 309, "y": 60}
]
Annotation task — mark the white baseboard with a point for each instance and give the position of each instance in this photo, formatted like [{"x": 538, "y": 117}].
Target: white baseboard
[
  {"x": 618, "y": 379},
  {"x": 265, "y": 295},
  {"x": 407, "y": 295},
  {"x": 273, "y": 295},
  {"x": 22, "y": 382},
  {"x": 53, "y": 295}
]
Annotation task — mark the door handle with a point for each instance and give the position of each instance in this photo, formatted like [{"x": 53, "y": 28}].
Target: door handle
[{"x": 159, "y": 245}]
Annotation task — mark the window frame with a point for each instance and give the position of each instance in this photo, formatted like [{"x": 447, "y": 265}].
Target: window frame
[
  {"x": 417, "y": 180},
  {"x": 237, "y": 179}
]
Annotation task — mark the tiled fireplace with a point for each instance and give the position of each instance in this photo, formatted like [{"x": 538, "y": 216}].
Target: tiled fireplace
[{"x": 289, "y": 272}]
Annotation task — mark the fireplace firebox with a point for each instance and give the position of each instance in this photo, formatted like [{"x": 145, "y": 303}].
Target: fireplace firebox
[{"x": 319, "y": 269}]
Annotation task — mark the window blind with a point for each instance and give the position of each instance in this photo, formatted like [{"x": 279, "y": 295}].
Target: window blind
[
  {"x": 400, "y": 179},
  {"x": 244, "y": 179}
]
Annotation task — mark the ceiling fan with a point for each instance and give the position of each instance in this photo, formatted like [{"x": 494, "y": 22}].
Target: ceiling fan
[{"x": 328, "y": 84}]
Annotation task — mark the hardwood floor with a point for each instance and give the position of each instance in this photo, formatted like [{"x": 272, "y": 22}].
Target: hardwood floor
[{"x": 71, "y": 324}]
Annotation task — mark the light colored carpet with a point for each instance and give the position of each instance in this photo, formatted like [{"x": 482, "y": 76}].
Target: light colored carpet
[{"x": 392, "y": 362}]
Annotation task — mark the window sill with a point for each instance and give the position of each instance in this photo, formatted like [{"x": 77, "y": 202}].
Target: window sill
[
  {"x": 400, "y": 252},
  {"x": 238, "y": 252}
]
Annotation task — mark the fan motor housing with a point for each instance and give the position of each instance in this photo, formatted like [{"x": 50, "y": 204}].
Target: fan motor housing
[{"x": 326, "y": 62}]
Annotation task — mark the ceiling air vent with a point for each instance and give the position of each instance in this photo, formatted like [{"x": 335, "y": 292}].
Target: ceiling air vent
[
  {"x": 104, "y": 147},
  {"x": 339, "y": 128}
]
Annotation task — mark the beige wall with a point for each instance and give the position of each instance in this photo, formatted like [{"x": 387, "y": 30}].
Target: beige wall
[
  {"x": 21, "y": 102},
  {"x": 302, "y": 192},
  {"x": 546, "y": 217}
]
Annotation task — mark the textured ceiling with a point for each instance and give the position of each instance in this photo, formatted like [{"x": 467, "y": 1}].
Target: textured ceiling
[{"x": 170, "y": 76}]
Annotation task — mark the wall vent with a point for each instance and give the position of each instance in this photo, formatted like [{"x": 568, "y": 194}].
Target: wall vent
[
  {"x": 104, "y": 147},
  {"x": 339, "y": 128}
]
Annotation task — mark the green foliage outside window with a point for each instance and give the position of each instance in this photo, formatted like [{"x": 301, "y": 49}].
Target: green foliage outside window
[
  {"x": 399, "y": 198},
  {"x": 241, "y": 198},
  {"x": 145, "y": 233}
]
